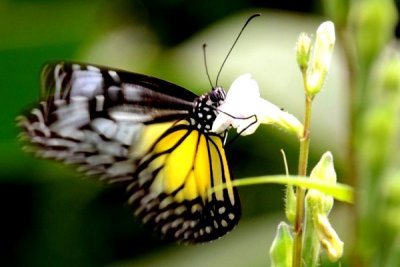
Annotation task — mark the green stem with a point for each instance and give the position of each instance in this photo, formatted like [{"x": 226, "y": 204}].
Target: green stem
[{"x": 302, "y": 171}]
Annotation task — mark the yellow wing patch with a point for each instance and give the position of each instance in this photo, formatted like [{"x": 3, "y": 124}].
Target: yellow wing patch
[
  {"x": 179, "y": 163},
  {"x": 220, "y": 169},
  {"x": 188, "y": 163},
  {"x": 202, "y": 169}
]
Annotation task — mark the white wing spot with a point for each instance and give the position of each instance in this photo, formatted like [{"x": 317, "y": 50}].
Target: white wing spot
[
  {"x": 99, "y": 102},
  {"x": 148, "y": 217},
  {"x": 93, "y": 68},
  {"x": 105, "y": 127},
  {"x": 128, "y": 133},
  {"x": 221, "y": 210},
  {"x": 135, "y": 196},
  {"x": 74, "y": 66},
  {"x": 193, "y": 224},
  {"x": 215, "y": 224},
  {"x": 187, "y": 234},
  {"x": 179, "y": 210},
  {"x": 177, "y": 222},
  {"x": 114, "y": 76}
]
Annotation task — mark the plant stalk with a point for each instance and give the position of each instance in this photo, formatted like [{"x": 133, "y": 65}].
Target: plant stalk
[{"x": 302, "y": 171}]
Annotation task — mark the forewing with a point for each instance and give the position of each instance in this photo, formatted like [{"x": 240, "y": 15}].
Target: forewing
[
  {"x": 94, "y": 116},
  {"x": 172, "y": 192}
]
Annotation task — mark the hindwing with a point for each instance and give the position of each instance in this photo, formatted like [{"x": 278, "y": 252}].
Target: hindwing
[{"x": 172, "y": 191}]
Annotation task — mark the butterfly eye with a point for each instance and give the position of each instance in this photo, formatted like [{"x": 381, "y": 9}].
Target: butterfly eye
[{"x": 217, "y": 95}]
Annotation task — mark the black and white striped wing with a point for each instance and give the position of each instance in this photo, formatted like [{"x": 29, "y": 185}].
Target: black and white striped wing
[{"x": 93, "y": 116}]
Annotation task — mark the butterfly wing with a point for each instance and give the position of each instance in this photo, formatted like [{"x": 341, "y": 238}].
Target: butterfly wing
[{"x": 129, "y": 127}]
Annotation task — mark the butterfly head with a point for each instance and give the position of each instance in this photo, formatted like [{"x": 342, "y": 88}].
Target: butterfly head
[{"x": 217, "y": 95}]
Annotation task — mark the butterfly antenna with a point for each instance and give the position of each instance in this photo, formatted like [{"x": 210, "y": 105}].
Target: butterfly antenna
[
  {"x": 234, "y": 43},
  {"x": 205, "y": 64}
]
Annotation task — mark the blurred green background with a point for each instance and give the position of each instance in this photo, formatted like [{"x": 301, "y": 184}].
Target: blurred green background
[{"x": 51, "y": 217}]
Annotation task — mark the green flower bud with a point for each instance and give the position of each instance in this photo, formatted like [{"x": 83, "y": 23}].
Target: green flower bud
[
  {"x": 303, "y": 49},
  {"x": 324, "y": 170},
  {"x": 282, "y": 247},
  {"x": 290, "y": 204}
]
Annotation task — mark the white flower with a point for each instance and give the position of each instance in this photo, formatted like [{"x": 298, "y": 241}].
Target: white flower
[{"x": 245, "y": 110}]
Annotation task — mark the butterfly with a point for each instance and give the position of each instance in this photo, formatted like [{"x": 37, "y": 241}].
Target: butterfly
[{"x": 148, "y": 133}]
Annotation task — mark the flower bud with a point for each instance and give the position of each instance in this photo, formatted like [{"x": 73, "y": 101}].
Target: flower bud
[
  {"x": 282, "y": 246},
  {"x": 290, "y": 204},
  {"x": 303, "y": 49},
  {"x": 318, "y": 206},
  {"x": 321, "y": 58},
  {"x": 324, "y": 170}
]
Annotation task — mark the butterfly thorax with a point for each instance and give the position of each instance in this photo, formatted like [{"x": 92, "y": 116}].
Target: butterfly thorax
[{"x": 205, "y": 109}]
